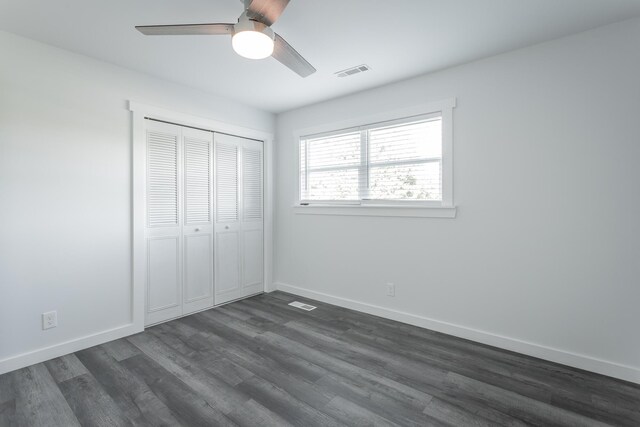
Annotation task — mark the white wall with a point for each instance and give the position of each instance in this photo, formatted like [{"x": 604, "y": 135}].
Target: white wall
[
  {"x": 65, "y": 189},
  {"x": 543, "y": 257}
]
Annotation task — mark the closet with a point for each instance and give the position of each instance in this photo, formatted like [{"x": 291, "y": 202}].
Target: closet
[{"x": 204, "y": 219}]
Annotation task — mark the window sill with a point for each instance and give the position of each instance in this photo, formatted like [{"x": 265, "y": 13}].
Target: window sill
[{"x": 377, "y": 210}]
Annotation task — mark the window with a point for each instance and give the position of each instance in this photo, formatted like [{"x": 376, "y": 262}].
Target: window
[{"x": 397, "y": 162}]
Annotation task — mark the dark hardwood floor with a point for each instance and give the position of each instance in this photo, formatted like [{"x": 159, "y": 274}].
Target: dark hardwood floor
[{"x": 260, "y": 362}]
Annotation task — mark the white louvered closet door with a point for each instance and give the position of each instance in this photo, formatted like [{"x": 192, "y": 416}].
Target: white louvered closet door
[
  {"x": 197, "y": 228},
  {"x": 163, "y": 223},
  {"x": 252, "y": 246},
  {"x": 238, "y": 228},
  {"x": 179, "y": 226}
]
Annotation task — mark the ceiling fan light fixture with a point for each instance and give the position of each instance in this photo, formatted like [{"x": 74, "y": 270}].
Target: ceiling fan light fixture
[{"x": 252, "y": 39}]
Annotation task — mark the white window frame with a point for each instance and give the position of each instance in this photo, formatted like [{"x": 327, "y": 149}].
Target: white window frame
[{"x": 444, "y": 208}]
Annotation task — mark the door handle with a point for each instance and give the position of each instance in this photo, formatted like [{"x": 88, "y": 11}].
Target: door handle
[
  {"x": 226, "y": 227},
  {"x": 197, "y": 229}
]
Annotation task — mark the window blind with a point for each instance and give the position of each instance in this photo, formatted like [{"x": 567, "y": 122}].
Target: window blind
[
  {"x": 400, "y": 160},
  {"x": 332, "y": 166}
]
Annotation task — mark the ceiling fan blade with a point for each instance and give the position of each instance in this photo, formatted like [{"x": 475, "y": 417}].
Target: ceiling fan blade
[
  {"x": 288, "y": 56},
  {"x": 185, "y": 29},
  {"x": 265, "y": 11}
]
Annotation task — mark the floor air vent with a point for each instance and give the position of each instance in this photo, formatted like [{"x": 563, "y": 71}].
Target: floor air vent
[
  {"x": 302, "y": 305},
  {"x": 354, "y": 70}
]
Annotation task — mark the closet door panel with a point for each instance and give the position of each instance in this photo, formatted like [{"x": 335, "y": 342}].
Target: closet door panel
[
  {"x": 252, "y": 237},
  {"x": 228, "y": 284},
  {"x": 252, "y": 182},
  {"x": 198, "y": 257},
  {"x": 164, "y": 276},
  {"x": 162, "y": 231},
  {"x": 228, "y": 263},
  {"x": 198, "y": 226},
  {"x": 252, "y": 258}
]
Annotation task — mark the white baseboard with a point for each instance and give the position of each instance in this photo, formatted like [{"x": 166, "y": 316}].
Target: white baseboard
[
  {"x": 604, "y": 367},
  {"x": 43, "y": 354}
]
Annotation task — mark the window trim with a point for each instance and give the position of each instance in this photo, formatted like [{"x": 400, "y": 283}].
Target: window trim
[
  {"x": 408, "y": 211},
  {"x": 441, "y": 209}
]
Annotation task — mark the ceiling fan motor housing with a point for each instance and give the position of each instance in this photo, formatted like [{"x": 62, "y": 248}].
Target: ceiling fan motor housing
[{"x": 246, "y": 24}]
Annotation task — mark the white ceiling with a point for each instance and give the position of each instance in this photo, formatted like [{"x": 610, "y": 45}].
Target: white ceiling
[{"x": 398, "y": 39}]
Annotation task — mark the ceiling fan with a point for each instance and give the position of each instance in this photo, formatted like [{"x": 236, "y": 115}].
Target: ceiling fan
[{"x": 252, "y": 37}]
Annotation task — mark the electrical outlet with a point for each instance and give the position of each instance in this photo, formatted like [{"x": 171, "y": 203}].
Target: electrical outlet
[
  {"x": 391, "y": 290},
  {"x": 49, "y": 319}
]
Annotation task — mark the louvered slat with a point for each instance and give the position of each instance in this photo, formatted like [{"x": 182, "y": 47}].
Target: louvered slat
[
  {"x": 162, "y": 179},
  {"x": 226, "y": 183},
  {"x": 252, "y": 184},
  {"x": 197, "y": 154}
]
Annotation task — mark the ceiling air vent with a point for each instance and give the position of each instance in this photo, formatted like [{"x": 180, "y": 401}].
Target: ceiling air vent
[
  {"x": 353, "y": 70},
  {"x": 302, "y": 305}
]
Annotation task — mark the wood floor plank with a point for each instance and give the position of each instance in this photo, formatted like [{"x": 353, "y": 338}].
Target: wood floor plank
[
  {"x": 528, "y": 370},
  {"x": 238, "y": 314},
  {"x": 284, "y": 404},
  {"x": 261, "y": 362},
  {"x": 210, "y": 388},
  {"x": 518, "y": 406},
  {"x": 385, "y": 365},
  {"x": 132, "y": 395},
  {"x": 459, "y": 416},
  {"x": 225, "y": 339},
  {"x": 384, "y": 362},
  {"x": 461, "y": 364},
  {"x": 515, "y": 377},
  {"x": 231, "y": 373},
  {"x": 269, "y": 369},
  {"x": 7, "y": 387},
  {"x": 176, "y": 335},
  {"x": 275, "y": 369},
  {"x": 39, "y": 401},
  {"x": 382, "y": 401},
  {"x": 8, "y": 413},
  {"x": 120, "y": 349},
  {"x": 66, "y": 367},
  {"x": 253, "y": 414},
  {"x": 342, "y": 367},
  {"x": 276, "y": 343},
  {"x": 254, "y": 308},
  {"x": 91, "y": 404},
  {"x": 353, "y": 415},
  {"x": 280, "y": 316},
  {"x": 383, "y": 389},
  {"x": 186, "y": 404},
  {"x": 207, "y": 357},
  {"x": 402, "y": 411},
  {"x": 215, "y": 391},
  {"x": 626, "y": 412}
]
